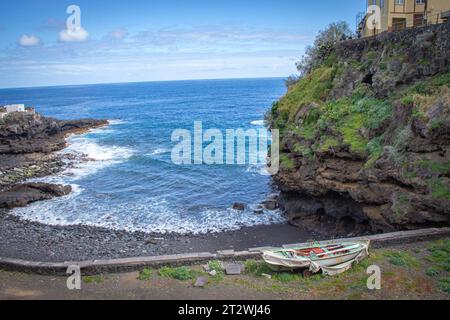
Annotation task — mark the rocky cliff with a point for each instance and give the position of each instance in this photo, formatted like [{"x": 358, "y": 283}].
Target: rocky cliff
[
  {"x": 365, "y": 136},
  {"x": 27, "y": 146}
]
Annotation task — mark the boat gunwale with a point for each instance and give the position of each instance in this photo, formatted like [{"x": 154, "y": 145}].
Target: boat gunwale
[{"x": 300, "y": 259}]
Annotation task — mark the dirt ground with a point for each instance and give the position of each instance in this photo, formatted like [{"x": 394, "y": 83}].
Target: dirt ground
[{"x": 409, "y": 272}]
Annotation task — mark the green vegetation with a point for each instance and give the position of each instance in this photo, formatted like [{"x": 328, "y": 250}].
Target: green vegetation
[
  {"x": 287, "y": 277},
  {"x": 286, "y": 162},
  {"x": 322, "y": 50},
  {"x": 181, "y": 273},
  {"x": 145, "y": 274},
  {"x": 328, "y": 143},
  {"x": 424, "y": 94},
  {"x": 375, "y": 149},
  {"x": 312, "y": 89},
  {"x": 97, "y": 279},
  {"x": 440, "y": 255},
  {"x": 401, "y": 258},
  {"x": 436, "y": 167},
  {"x": 444, "y": 284},
  {"x": 432, "y": 272},
  {"x": 257, "y": 268},
  {"x": 216, "y": 266},
  {"x": 347, "y": 117},
  {"x": 439, "y": 189},
  {"x": 353, "y": 119}
]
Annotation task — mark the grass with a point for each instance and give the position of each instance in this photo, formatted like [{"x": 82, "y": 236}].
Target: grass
[
  {"x": 444, "y": 284},
  {"x": 359, "y": 120},
  {"x": 97, "y": 279},
  {"x": 286, "y": 162},
  {"x": 436, "y": 167},
  {"x": 329, "y": 143},
  {"x": 257, "y": 268},
  {"x": 440, "y": 255},
  {"x": 401, "y": 258},
  {"x": 351, "y": 133},
  {"x": 375, "y": 149},
  {"x": 439, "y": 190},
  {"x": 145, "y": 274},
  {"x": 287, "y": 277},
  {"x": 432, "y": 272},
  {"x": 313, "y": 88},
  {"x": 216, "y": 266},
  {"x": 180, "y": 273}
]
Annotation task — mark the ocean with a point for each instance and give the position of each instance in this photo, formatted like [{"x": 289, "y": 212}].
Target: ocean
[{"x": 132, "y": 184}]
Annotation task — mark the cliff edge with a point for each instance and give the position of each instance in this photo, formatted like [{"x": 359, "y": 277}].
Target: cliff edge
[{"x": 365, "y": 136}]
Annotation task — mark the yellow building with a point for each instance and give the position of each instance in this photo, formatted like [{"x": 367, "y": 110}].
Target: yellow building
[{"x": 402, "y": 14}]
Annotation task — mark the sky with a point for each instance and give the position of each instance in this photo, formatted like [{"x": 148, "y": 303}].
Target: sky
[{"x": 159, "y": 40}]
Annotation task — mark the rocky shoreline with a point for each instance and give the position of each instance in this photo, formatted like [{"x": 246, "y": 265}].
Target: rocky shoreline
[
  {"x": 20, "y": 239},
  {"x": 28, "y": 146}
]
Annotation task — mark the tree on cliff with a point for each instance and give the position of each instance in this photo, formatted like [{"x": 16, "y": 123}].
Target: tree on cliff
[{"x": 316, "y": 54}]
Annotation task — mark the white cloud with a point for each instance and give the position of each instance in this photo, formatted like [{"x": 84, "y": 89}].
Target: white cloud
[
  {"x": 118, "y": 34},
  {"x": 76, "y": 35},
  {"x": 29, "y": 41}
]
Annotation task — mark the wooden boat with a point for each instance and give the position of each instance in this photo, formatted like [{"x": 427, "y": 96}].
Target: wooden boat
[{"x": 315, "y": 256}]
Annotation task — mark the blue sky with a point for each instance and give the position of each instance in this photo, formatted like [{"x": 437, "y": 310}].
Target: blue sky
[{"x": 154, "y": 40}]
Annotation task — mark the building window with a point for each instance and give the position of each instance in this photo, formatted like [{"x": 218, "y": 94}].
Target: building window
[
  {"x": 420, "y": 1},
  {"x": 400, "y": 2}
]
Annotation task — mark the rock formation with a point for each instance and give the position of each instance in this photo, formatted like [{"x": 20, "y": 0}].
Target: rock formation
[
  {"x": 27, "y": 146},
  {"x": 365, "y": 136}
]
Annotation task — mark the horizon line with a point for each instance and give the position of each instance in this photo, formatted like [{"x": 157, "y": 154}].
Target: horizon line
[{"x": 135, "y": 82}]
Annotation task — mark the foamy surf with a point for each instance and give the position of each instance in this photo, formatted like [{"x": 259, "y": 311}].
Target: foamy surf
[
  {"x": 116, "y": 122},
  {"x": 152, "y": 215},
  {"x": 120, "y": 172},
  {"x": 158, "y": 151},
  {"x": 260, "y": 123}
]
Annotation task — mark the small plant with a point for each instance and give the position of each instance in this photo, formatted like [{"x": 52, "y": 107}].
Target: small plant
[
  {"x": 286, "y": 162},
  {"x": 444, "y": 284},
  {"x": 145, "y": 274},
  {"x": 181, "y": 273},
  {"x": 439, "y": 190},
  {"x": 287, "y": 277},
  {"x": 97, "y": 279},
  {"x": 216, "y": 266},
  {"x": 257, "y": 268},
  {"x": 440, "y": 255},
  {"x": 432, "y": 272}
]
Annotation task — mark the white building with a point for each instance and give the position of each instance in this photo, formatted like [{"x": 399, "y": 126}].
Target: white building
[
  {"x": 15, "y": 108},
  {"x": 2, "y": 115}
]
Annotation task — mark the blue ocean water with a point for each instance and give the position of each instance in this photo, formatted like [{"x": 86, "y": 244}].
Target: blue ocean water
[{"x": 133, "y": 184}]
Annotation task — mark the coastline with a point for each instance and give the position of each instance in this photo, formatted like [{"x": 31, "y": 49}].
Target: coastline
[
  {"x": 22, "y": 239},
  {"x": 27, "y": 240}
]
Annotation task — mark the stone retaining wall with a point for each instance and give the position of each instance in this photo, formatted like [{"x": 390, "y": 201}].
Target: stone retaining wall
[{"x": 131, "y": 264}]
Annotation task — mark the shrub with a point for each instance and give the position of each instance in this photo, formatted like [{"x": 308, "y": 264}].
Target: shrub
[
  {"x": 322, "y": 49},
  {"x": 145, "y": 274},
  {"x": 181, "y": 273},
  {"x": 257, "y": 268},
  {"x": 216, "y": 266}
]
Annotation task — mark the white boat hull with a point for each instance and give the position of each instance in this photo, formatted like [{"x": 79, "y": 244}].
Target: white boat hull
[{"x": 278, "y": 262}]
